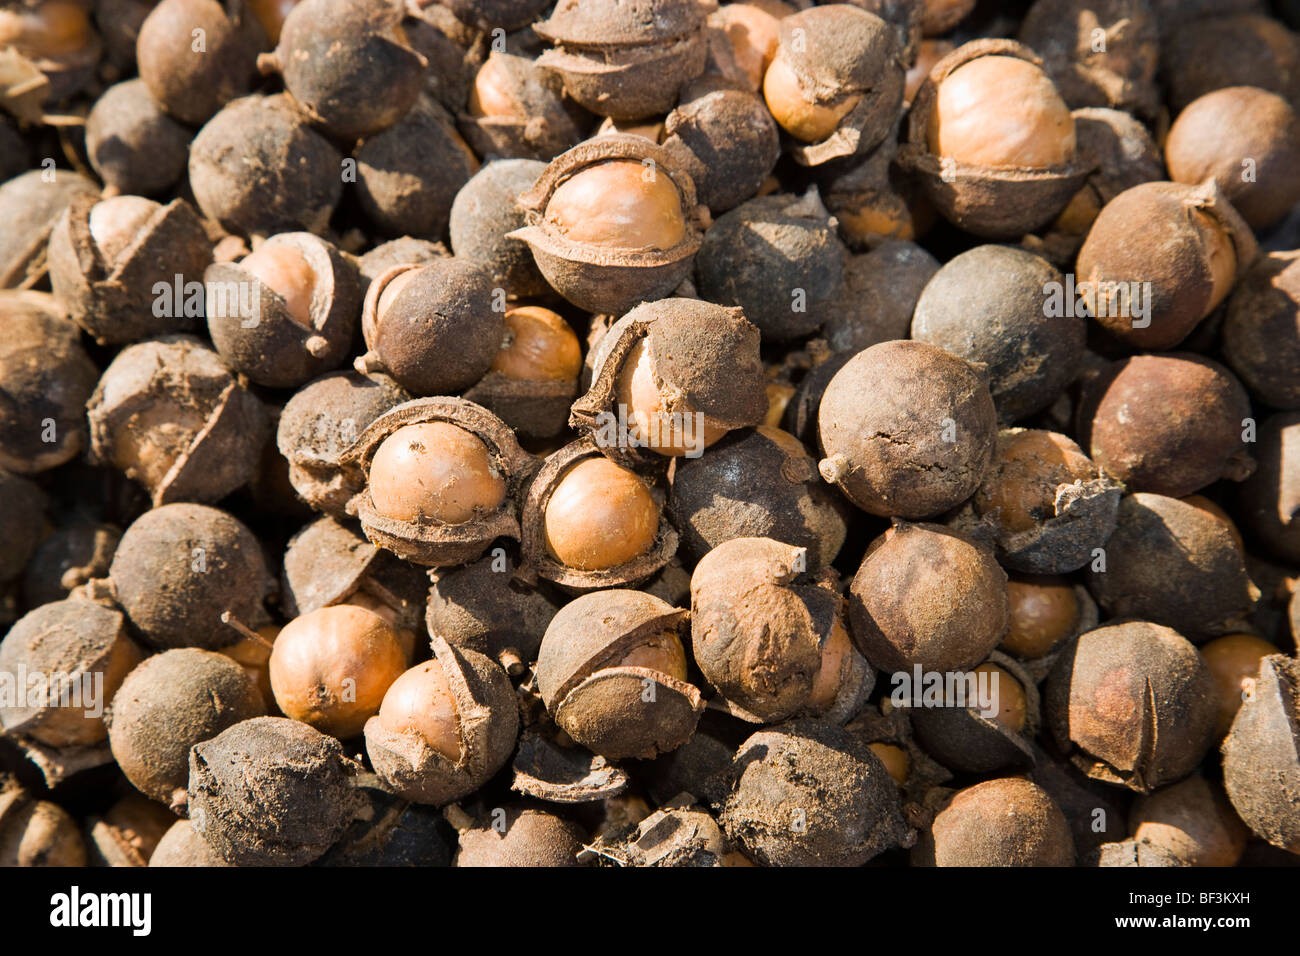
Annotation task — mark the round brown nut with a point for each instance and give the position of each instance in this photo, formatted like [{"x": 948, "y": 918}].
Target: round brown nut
[{"x": 1004, "y": 822}]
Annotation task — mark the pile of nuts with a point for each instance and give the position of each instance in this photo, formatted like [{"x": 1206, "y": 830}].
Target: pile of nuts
[{"x": 649, "y": 433}]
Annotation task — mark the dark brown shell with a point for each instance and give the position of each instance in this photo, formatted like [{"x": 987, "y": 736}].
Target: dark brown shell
[
  {"x": 759, "y": 483},
  {"x": 705, "y": 361},
  {"x": 544, "y": 770},
  {"x": 320, "y": 422},
  {"x": 326, "y": 563},
  {"x": 1261, "y": 334},
  {"x": 506, "y": 14},
  {"x": 299, "y": 181},
  {"x": 1167, "y": 255},
  {"x": 482, "y": 606},
  {"x": 879, "y": 296},
  {"x": 1271, "y": 497},
  {"x": 615, "y": 23},
  {"x": 169, "y": 703},
  {"x": 537, "y": 562},
  {"x": 192, "y": 81},
  {"x": 132, "y": 144},
  {"x": 534, "y": 409},
  {"x": 600, "y": 703},
  {"x": 839, "y": 51},
  {"x": 521, "y": 836},
  {"x": 1122, "y": 75},
  {"x": 965, "y": 740},
  {"x": 1191, "y": 437},
  {"x": 992, "y": 306},
  {"x": 22, "y": 522},
  {"x": 1260, "y": 768},
  {"x": 408, "y": 174},
  {"x": 1228, "y": 47},
  {"x": 994, "y": 202},
  {"x": 37, "y": 204},
  {"x": 541, "y": 128},
  {"x": 758, "y": 626},
  {"x": 179, "y": 567},
  {"x": 72, "y": 638},
  {"x": 118, "y": 302},
  {"x": 346, "y": 64},
  {"x": 488, "y": 724},
  {"x": 45, "y": 376},
  {"x": 1004, "y": 822},
  {"x": 483, "y": 215},
  {"x": 767, "y": 251},
  {"x": 807, "y": 793},
  {"x": 207, "y": 463},
  {"x": 267, "y": 346},
  {"x": 1171, "y": 563},
  {"x": 610, "y": 280},
  {"x": 439, "y": 334},
  {"x": 1082, "y": 516},
  {"x": 272, "y": 792},
  {"x": 733, "y": 140},
  {"x": 1133, "y": 704},
  {"x": 426, "y": 541},
  {"x": 930, "y": 598},
  {"x": 881, "y": 426}
]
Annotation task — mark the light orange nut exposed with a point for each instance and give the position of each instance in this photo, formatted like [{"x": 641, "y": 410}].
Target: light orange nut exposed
[
  {"x": 285, "y": 271},
  {"x": 1001, "y": 111},
  {"x": 539, "y": 347},
  {"x": 1007, "y": 695},
  {"x": 619, "y": 204},
  {"x": 435, "y": 470},
  {"x": 115, "y": 222},
  {"x": 665, "y": 432},
  {"x": 1234, "y": 664},
  {"x": 421, "y": 702},
  {"x": 599, "y": 516},
  {"x": 332, "y": 667},
  {"x": 836, "y": 653},
  {"x": 795, "y": 110},
  {"x": 1043, "y": 613},
  {"x": 663, "y": 653}
]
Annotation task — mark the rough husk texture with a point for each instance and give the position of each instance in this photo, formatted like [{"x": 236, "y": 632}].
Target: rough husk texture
[
  {"x": 483, "y": 607},
  {"x": 169, "y": 703},
  {"x": 268, "y": 346},
  {"x": 272, "y": 792},
  {"x": 758, "y": 627},
  {"x": 1261, "y": 334},
  {"x": 928, "y": 597},
  {"x": 1005, "y": 822},
  {"x": 28, "y": 199},
  {"x": 320, "y": 422},
  {"x": 257, "y": 168},
  {"x": 170, "y": 602},
  {"x": 1261, "y": 769},
  {"x": 1168, "y": 253},
  {"x": 760, "y": 483},
  {"x": 732, "y": 141},
  {"x": 207, "y": 461},
  {"x": 1271, "y": 497},
  {"x": 115, "y": 302},
  {"x": 1191, "y": 437},
  {"x": 990, "y": 307},
  {"x": 806, "y": 793},
  {"x": 841, "y": 52},
  {"x": 994, "y": 202},
  {"x": 488, "y": 725},
  {"x": 44, "y": 375},
  {"x": 482, "y": 216},
  {"x": 530, "y": 838},
  {"x": 881, "y": 424},
  {"x": 759, "y": 253},
  {"x": 705, "y": 359},
  {"x": 1133, "y": 704},
  {"x": 1171, "y": 563},
  {"x": 602, "y": 703}
]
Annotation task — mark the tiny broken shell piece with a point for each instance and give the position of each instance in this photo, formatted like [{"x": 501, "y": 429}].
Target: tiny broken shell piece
[{"x": 547, "y": 771}]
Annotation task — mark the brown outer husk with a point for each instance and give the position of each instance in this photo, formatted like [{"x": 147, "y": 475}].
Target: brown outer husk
[
  {"x": 114, "y": 301},
  {"x": 995, "y": 202},
  {"x": 488, "y": 723},
  {"x": 605, "y": 280},
  {"x": 701, "y": 354},
  {"x": 425, "y": 541}
]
